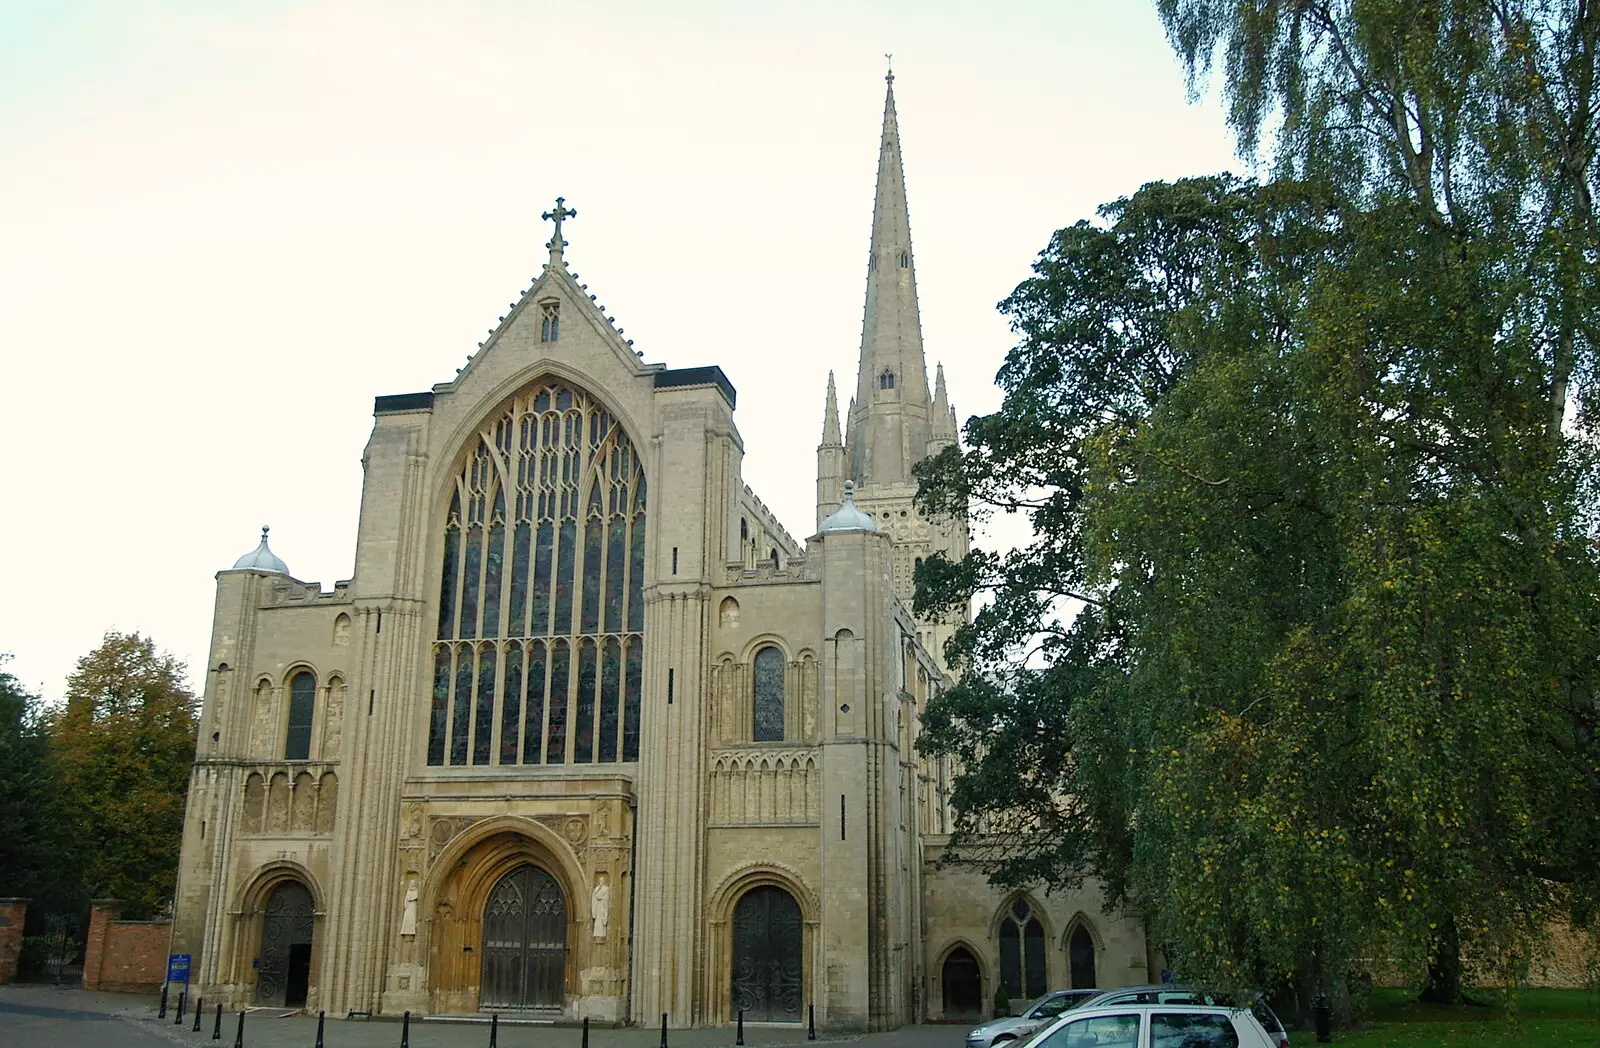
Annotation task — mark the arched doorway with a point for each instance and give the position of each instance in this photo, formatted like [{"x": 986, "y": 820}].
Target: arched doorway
[
  {"x": 286, "y": 930},
  {"x": 767, "y": 950},
  {"x": 524, "y": 942},
  {"x": 1080, "y": 957},
  {"x": 962, "y": 984}
]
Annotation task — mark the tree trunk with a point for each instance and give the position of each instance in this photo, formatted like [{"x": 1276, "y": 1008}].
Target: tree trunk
[{"x": 1444, "y": 968}]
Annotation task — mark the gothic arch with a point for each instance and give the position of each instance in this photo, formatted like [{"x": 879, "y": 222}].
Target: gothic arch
[
  {"x": 460, "y": 442},
  {"x": 1025, "y": 959},
  {"x": 1004, "y": 910},
  {"x": 452, "y": 895},
  {"x": 1081, "y": 921},
  {"x": 936, "y": 988}
]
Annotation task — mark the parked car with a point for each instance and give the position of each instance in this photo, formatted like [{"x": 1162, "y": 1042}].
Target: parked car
[
  {"x": 1165, "y": 993},
  {"x": 1033, "y": 1017},
  {"x": 1154, "y": 1026}
]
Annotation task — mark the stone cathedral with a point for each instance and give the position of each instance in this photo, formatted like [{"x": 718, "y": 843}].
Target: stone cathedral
[{"x": 588, "y": 734}]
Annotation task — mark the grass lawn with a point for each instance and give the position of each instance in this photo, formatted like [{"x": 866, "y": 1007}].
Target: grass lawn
[{"x": 1543, "y": 1019}]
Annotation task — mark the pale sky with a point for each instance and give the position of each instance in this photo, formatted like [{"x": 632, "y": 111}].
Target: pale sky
[{"x": 225, "y": 226}]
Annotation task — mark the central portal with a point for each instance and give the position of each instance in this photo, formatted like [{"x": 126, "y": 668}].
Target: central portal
[
  {"x": 767, "y": 946},
  {"x": 524, "y": 942}
]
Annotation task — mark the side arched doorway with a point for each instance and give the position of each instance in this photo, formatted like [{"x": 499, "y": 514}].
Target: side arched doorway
[
  {"x": 286, "y": 931},
  {"x": 768, "y": 949},
  {"x": 1080, "y": 957},
  {"x": 962, "y": 984},
  {"x": 524, "y": 942}
]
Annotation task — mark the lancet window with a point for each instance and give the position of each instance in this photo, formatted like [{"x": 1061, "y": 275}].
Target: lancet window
[
  {"x": 1022, "y": 952},
  {"x": 540, "y": 650},
  {"x": 549, "y": 321},
  {"x": 302, "y": 711},
  {"x": 769, "y": 695}
]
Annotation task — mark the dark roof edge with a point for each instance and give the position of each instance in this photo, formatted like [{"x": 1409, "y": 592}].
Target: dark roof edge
[
  {"x": 707, "y": 376},
  {"x": 402, "y": 402}
]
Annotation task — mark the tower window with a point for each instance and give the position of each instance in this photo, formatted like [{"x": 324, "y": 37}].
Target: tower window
[
  {"x": 769, "y": 695},
  {"x": 886, "y": 380},
  {"x": 549, "y": 321},
  {"x": 905, "y": 260},
  {"x": 302, "y": 707}
]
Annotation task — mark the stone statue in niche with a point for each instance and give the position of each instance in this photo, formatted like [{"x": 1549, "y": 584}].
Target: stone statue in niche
[
  {"x": 603, "y": 822},
  {"x": 408, "y": 917},
  {"x": 600, "y": 907}
]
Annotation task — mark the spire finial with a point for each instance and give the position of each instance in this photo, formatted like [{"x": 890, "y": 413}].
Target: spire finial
[
  {"x": 561, "y": 213},
  {"x": 264, "y": 529},
  {"x": 889, "y": 57}
]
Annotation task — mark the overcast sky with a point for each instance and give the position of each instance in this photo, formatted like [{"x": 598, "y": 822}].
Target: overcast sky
[{"x": 226, "y": 225}]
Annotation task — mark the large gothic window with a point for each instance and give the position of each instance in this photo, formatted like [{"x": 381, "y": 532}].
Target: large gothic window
[
  {"x": 302, "y": 711},
  {"x": 769, "y": 695},
  {"x": 1022, "y": 963},
  {"x": 540, "y": 650}
]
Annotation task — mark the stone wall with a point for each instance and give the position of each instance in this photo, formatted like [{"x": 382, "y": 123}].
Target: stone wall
[
  {"x": 13, "y": 912},
  {"x": 124, "y": 956}
]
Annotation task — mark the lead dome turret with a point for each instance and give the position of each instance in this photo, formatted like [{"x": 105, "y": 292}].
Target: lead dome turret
[
  {"x": 847, "y": 517},
  {"x": 261, "y": 558}
]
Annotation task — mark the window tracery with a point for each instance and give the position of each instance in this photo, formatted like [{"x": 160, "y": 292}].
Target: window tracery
[
  {"x": 539, "y": 656},
  {"x": 1022, "y": 952},
  {"x": 886, "y": 380},
  {"x": 549, "y": 321}
]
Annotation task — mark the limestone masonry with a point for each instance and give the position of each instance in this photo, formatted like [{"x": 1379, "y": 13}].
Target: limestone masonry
[{"x": 587, "y": 733}]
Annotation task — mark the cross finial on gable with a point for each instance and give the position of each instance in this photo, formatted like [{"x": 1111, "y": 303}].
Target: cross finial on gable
[{"x": 557, "y": 242}]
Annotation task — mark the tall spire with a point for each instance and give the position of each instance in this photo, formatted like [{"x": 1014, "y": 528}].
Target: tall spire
[
  {"x": 830, "y": 416},
  {"x": 889, "y": 423}
]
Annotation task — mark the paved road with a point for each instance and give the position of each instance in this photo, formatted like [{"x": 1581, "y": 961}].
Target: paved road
[{"x": 48, "y": 1017}]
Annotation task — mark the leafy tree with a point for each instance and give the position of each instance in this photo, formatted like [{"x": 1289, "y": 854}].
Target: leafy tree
[
  {"x": 1302, "y": 658},
  {"x": 30, "y": 856},
  {"x": 124, "y": 743}
]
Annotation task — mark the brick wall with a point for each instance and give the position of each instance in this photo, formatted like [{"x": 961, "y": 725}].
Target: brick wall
[
  {"x": 124, "y": 956},
  {"x": 12, "y": 914}
]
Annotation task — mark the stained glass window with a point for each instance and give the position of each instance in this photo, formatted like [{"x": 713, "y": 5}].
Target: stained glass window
[
  {"x": 1022, "y": 953},
  {"x": 769, "y": 695},
  {"x": 544, "y": 537},
  {"x": 302, "y": 708}
]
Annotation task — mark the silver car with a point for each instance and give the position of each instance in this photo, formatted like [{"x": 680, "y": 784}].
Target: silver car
[
  {"x": 1034, "y": 1017},
  {"x": 1153, "y": 1026}
]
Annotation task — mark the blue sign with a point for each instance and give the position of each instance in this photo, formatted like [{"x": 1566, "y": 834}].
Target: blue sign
[{"x": 178, "y": 968}]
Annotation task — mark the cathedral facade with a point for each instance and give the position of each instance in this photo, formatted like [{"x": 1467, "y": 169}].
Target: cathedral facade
[{"x": 588, "y": 734}]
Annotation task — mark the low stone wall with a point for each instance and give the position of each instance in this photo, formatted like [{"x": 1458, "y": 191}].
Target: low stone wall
[
  {"x": 124, "y": 956},
  {"x": 13, "y": 914}
]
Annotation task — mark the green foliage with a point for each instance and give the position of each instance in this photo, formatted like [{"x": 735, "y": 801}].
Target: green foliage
[
  {"x": 30, "y": 844},
  {"x": 124, "y": 743},
  {"x": 1002, "y": 1002},
  {"x": 1301, "y": 660}
]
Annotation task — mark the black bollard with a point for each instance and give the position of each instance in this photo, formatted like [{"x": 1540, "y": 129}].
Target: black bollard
[
  {"x": 405, "y": 1030},
  {"x": 1322, "y": 1018},
  {"x": 216, "y": 1031},
  {"x": 162, "y": 1014},
  {"x": 321, "y": 1018},
  {"x": 739, "y": 1037},
  {"x": 663, "y": 1030},
  {"x": 183, "y": 996},
  {"x": 199, "y": 1006},
  {"x": 238, "y": 1038},
  {"x": 811, "y": 1022},
  {"x": 585, "y": 1031},
  {"x": 494, "y": 1029}
]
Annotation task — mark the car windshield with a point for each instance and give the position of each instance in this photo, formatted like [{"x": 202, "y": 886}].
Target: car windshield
[{"x": 1049, "y": 1006}]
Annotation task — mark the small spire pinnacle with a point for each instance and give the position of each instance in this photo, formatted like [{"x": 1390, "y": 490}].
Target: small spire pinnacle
[
  {"x": 830, "y": 417},
  {"x": 557, "y": 242}
]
